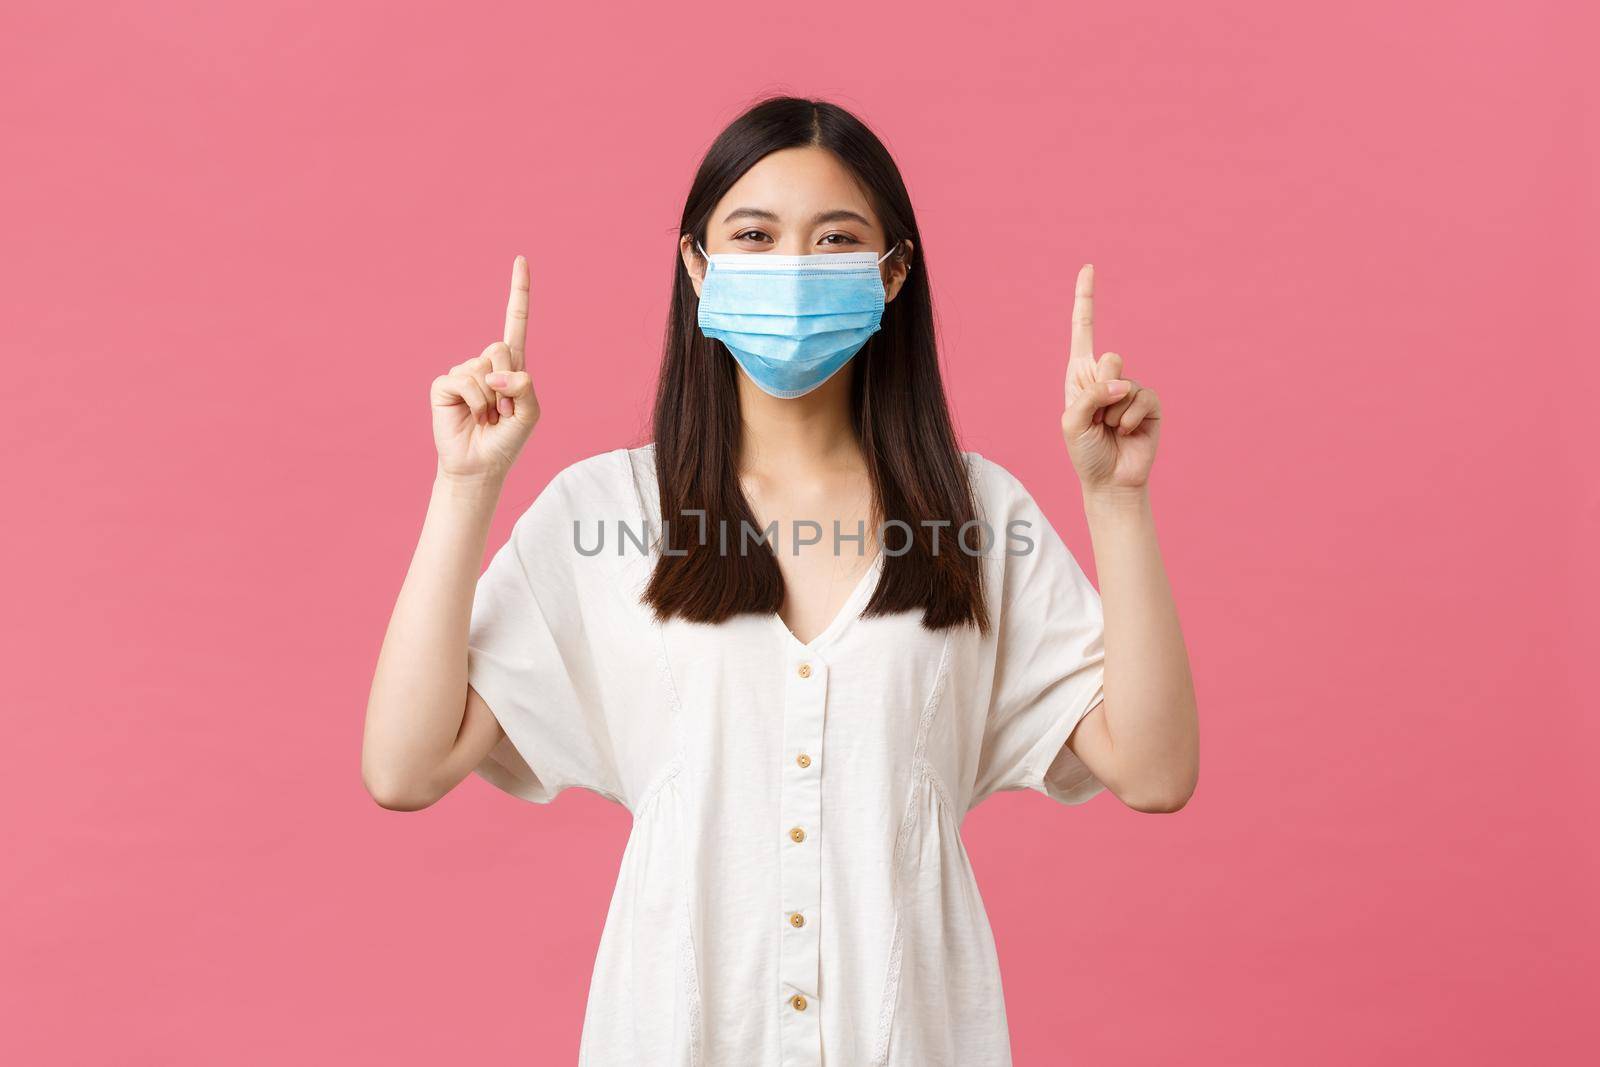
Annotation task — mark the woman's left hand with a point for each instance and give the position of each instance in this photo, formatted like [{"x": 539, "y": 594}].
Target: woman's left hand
[{"x": 1111, "y": 423}]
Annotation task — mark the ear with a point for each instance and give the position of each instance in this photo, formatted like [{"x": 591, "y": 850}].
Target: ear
[
  {"x": 692, "y": 261},
  {"x": 899, "y": 266}
]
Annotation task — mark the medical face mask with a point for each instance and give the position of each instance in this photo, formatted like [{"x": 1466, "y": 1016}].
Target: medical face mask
[{"x": 791, "y": 321}]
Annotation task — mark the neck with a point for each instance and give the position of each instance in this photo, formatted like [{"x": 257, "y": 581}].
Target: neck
[{"x": 811, "y": 432}]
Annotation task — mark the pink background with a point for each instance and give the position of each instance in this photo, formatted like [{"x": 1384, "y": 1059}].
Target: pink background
[{"x": 1351, "y": 248}]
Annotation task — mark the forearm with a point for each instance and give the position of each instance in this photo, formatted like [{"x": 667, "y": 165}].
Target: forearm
[
  {"x": 419, "y": 689},
  {"x": 1150, "y": 715}
]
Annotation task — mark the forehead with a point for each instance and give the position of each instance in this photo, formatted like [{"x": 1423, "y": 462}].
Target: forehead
[{"x": 797, "y": 183}]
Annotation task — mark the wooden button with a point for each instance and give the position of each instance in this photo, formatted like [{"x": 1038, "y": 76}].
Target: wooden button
[
  {"x": 797, "y": 920},
  {"x": 798, "y": 1002},
  {"x": 797, "y": 835},
  {"x": 803, "y": 759},
  {"x": 805, "y": 670}
]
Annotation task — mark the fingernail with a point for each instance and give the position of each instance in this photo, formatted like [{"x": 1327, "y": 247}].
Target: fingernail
[
  {"x": 1117, "y": 388},
  {"x": 504, "y": 405},
  {"x": 497, "y": 380}
]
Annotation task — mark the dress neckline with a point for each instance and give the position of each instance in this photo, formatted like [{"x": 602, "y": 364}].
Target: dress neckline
[{"x": 846, "y": 614}]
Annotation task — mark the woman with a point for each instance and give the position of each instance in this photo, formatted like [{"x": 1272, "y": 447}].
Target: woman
[{"x": 798, "y": 635}]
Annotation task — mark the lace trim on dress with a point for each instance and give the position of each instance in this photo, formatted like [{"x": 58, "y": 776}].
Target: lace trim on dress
[
  {"x": 688, "y": 961},
  {"x": 920, "y": 772}
]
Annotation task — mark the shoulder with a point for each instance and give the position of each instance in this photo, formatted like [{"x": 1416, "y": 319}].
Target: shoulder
[
  {"x": 1013, "y": 516},
  {"x": 996, "y": 491},
  {"x": 605, "y": 486},
  {"x": 603, "y": 476},
  {"x": 560, "y": 538}
]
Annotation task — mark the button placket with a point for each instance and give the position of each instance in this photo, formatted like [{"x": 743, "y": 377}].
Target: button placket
[{"x": 799, "y": 963}]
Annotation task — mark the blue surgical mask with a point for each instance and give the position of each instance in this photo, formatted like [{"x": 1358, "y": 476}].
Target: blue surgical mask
[{"x": 791, "y": 321}]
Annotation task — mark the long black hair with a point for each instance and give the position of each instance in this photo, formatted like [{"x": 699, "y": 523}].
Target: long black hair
[{"x": 898, "y": 409}]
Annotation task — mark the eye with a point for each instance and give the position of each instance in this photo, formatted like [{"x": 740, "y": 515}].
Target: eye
[
  {"x": 751, "y": 235},
  {"x": 844, "y": 239}
]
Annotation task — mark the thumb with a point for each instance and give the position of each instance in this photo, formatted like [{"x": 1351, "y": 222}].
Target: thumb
[
  {"x": 516, "y": 399},
  {"x": 1079, "y": 415},
  {"x": 512, "y": 383}
]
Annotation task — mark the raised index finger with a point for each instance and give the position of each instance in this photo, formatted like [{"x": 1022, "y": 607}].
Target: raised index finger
[
  {"x": 517, "y": 313},
  {"x": 1083, "y": 316}
]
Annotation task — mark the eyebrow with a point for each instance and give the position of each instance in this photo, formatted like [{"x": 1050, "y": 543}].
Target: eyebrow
[{"x": 836, "y": 215}]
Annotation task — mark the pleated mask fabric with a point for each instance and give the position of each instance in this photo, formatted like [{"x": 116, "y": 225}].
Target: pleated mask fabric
[{"x": 792, "y": 322}]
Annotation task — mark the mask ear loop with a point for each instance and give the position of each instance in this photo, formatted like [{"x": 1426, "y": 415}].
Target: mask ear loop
[{"x": 889, "y": 253}]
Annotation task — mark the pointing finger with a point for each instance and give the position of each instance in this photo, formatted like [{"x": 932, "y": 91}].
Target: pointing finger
[
  {"x": 516, "y": 337},
  {"x": 1083, "y": 316}
]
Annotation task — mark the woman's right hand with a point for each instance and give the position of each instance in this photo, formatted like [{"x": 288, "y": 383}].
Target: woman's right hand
[{"x": 484, "y": 409}]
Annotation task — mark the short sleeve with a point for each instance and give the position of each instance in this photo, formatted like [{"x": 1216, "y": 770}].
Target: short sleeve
[
  {"x": 532, "y": 651},
  {"x": 1049, "y": 667}
]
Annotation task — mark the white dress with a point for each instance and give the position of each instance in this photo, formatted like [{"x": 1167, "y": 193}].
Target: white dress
[{"x": 795, "y": 890}]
